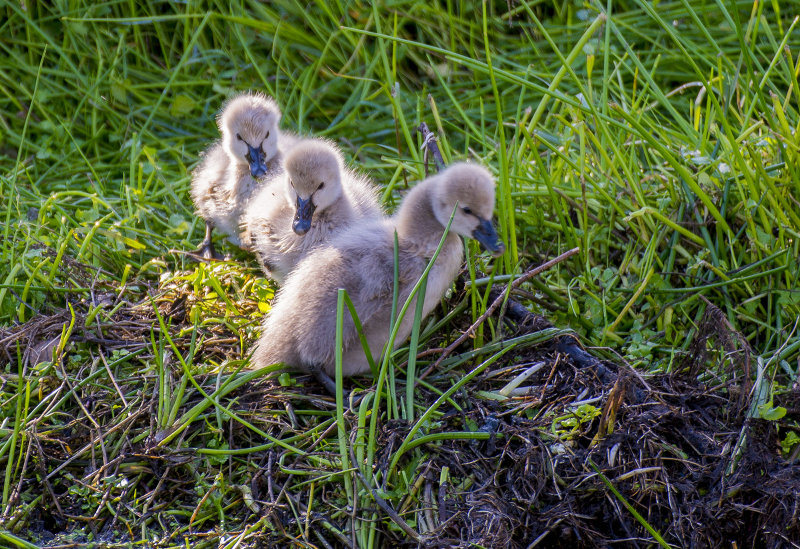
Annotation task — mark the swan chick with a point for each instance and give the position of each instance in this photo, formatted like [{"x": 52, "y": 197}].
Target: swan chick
[
  {"x": 321, "y": 198},
  {"x": 234, "y": 167},
  {"x": 300, "y": 329}
]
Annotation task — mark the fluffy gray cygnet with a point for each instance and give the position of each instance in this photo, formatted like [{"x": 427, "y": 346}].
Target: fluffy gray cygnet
[{"x": 237, "y": 165}]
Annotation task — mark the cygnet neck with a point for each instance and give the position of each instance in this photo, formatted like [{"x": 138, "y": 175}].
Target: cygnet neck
[
  {"x": 416, "y": 221},
  {"x": 340, "y": 208}
]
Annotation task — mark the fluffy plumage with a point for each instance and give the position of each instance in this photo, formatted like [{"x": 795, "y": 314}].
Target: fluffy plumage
[
  {"x": 315, "y": 198},
  {"x": 300, "y": 328},
  {"x": 236, "y": 166}
]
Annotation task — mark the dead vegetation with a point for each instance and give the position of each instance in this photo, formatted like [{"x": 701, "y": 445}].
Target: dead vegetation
[{"x": 107, "y": 465}]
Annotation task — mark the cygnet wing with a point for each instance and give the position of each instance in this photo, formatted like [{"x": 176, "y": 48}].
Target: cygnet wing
[{"x": 207, "y": 176}]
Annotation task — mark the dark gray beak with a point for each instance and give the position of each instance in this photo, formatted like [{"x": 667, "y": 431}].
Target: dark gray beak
[
  {"x": 303, "y": 215},
  {"x": 487, "y": 236},
  {"x": 255, "y": 157}
]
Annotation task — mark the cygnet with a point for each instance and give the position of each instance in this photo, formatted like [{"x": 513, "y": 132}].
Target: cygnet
[
  {"x": 233, "y": 168},
  {"x": 315, "y": 198},
  {"x": 300, "y": 329}
]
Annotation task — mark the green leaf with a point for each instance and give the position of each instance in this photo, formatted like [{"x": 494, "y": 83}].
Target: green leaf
[
  {"x": 766, "y": 411},
  {"x": 119, "y": 90},
  {"x": 182, "y": 105},
  {"x": 789, "y": 442}
]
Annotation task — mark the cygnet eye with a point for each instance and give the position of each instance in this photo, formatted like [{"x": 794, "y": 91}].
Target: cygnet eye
[
  {"x": 321, "y": 185},
  {"x": 239, "y": 137},
  {"x": 267, "y": 136},
  {"x": 467, "y": 210}
]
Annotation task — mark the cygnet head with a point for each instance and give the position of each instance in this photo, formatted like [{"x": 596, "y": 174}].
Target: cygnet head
[
  {"x": 313, "y": 171},
  {"x": 472, "y": 188},
  {"x": 249, "y": 126}
]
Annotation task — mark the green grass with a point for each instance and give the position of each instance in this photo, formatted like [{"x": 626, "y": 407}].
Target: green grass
[{"x": 661, "y": 140}]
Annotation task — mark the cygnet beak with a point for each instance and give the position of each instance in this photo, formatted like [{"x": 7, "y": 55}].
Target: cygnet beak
[
  {"x": 487, "y": 236},
  {"x": 257, "y": 166},
  {"x": 303, "y": 215}
]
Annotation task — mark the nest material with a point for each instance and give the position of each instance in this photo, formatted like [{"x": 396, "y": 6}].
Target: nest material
[{"x": 682, "y": 454}]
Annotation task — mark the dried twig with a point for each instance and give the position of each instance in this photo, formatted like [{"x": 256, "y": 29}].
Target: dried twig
[
  {"x": 429, "y": 145},
  {"x": 496, "y": 303}
]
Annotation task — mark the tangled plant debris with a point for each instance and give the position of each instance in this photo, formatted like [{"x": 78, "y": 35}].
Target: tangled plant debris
[{"x": 681, "y": 451}]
